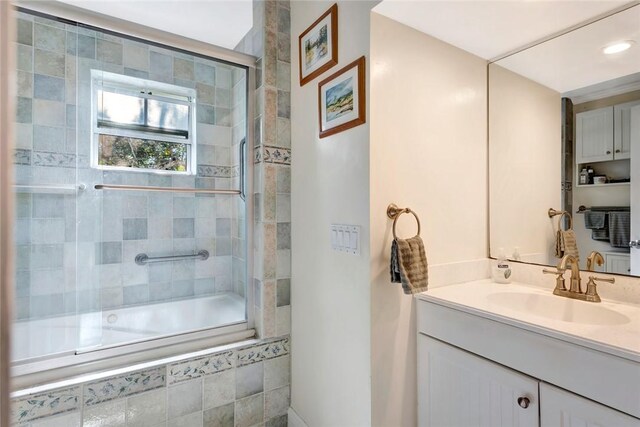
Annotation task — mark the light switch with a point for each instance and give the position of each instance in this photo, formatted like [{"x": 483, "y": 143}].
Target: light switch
[{"x": 345, "y": 238}]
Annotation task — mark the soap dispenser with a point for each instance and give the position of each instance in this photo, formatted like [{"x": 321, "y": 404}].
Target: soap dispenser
[{"x": 501, "y": 270}]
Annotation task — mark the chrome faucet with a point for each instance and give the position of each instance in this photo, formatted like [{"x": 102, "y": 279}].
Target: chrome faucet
[{"x": 575, "y": 290}]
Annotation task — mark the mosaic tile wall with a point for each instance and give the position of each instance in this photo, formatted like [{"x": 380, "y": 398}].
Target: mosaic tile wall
[
  {"x": 242, "y": 387},
  {"x": 76, "y": 252},
  {"x": 269, "y": 41}
]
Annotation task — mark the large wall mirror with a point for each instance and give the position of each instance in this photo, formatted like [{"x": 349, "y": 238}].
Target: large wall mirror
[{"x": 564, "y": 133}]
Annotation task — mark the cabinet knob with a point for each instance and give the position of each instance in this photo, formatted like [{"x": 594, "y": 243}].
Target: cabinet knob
[
  {"x": 618, "y": 150},
  {"x": 608, "y": 152},
  {"x": 523, "y": 402}
]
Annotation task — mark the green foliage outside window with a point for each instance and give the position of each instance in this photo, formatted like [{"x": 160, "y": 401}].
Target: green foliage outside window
[{"x": 122, "y": 151}]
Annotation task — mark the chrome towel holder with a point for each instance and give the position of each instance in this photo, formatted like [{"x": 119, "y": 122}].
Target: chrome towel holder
[{"x": 394, "y": 212}]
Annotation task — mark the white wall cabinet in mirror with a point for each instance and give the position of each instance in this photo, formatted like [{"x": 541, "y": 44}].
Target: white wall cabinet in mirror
[
  {"x": 622, "y": 129},
  {"x": 556, "y": 109},
  {"x": 594, "y": 135}
]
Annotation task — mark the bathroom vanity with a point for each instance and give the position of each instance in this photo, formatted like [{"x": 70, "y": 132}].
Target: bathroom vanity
[{"x": 515, "y": 355}]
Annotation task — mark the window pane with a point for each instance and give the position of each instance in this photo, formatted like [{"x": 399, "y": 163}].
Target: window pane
[
  {"x": 122, "y": 151},
  {"x": 165, "y": 115},
  {"x": 119, "y": 108}
]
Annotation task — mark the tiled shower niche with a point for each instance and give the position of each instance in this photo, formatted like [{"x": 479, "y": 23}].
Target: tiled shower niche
[{"x": 76, "y": 245}]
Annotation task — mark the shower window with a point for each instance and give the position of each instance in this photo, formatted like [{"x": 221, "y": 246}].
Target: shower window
[{"x": 141, "y": 124}]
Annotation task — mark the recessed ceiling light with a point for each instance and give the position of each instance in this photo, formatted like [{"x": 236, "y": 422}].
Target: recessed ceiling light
[{"x": 617, "y": 47}]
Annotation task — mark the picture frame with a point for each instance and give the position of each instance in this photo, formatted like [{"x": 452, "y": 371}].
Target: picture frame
[
  {"x": 342, "y": 99},
  {"x": 318, "y": 46}
]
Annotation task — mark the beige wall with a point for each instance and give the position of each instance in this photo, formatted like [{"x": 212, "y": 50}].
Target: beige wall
[
  {"x": 429, "y": 152},
  {"x": 525, "y": 164},
  {"x": 331, "y": 312}
]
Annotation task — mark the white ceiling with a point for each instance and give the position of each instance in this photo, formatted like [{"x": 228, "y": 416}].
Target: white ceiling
[
  {"x": 493, "y": 28},
  {"x": 218, "y": 22}
]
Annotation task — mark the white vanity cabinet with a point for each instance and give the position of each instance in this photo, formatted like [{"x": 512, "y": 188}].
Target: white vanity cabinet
[
  {"x": 457, "y": 388},
  {"x": 477, "y": 369},
  {"x": 561, "y": 408}
]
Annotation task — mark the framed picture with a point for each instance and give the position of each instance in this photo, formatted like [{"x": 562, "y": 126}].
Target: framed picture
[
  {"x": 341, "y": 99},
  {"x": 318, "y": 46}
]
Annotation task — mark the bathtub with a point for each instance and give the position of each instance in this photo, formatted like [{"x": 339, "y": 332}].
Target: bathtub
[{"x": 82, "y": 333}]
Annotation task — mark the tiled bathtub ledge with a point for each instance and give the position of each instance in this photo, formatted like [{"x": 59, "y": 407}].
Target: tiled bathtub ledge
[{"x": 70, "y": 395}]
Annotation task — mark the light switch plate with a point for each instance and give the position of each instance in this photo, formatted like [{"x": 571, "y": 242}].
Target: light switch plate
[{"x": 345, "y": 238}]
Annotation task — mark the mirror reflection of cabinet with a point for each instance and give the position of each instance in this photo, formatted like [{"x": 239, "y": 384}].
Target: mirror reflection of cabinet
[
  {"x": 603, "y": 134},
  {"x": 594, "y": 135},
  {"x": 622, "y": 129},
  {"x": 618, "y": 263}
]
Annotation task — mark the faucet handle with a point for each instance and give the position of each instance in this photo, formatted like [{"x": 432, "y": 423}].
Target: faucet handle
[
  {"x": 559, "y": 272},
  {"x": 592, "y": 293},
  {"x": 602, "y": 279}
]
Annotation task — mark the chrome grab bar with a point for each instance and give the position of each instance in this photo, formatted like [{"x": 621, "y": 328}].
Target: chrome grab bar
[
  {"x": 143, "y": 259},
  {"x": 165, "y": 189}
]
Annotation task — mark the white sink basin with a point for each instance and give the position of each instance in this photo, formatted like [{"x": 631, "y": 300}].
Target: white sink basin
[{"x": 558, "y": 308}]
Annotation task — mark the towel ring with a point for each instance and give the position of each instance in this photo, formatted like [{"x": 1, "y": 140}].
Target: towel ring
[
  {"x": 553, "y": 212},
  {"x": 394, "y": 213},
  {"x": 568, "y": 215}
]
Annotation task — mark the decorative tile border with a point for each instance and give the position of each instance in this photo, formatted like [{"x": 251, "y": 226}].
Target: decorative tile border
[
  {"x": 190, "y": 369},
  {"x": 124, "y": 385},
  {"x": 61, "y": 160},
  {"x": 277, "y": 155},
  {"x": 213, "y": 171},
  {"x": 262, "y": 352},
  {"x": 21, "y": 156},
  {"x": 46, "y": 404}
]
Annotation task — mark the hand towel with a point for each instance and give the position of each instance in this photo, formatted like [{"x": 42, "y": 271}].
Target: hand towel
[
  {"x": 566, "y": 244},
  {"x": 602, "y": 234},
  {"x": 409, "y": 264},
  {"x": 595, "y": 220},
  {"x": 619, "y": 229}
]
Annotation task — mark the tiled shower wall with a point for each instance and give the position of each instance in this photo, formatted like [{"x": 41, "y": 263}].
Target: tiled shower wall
[
  {"x": 269, "y": 41},
  {"x": 242, "y": 387},
  {"x": 251, "y": 386},
  {"x": 76, "y": 251}
]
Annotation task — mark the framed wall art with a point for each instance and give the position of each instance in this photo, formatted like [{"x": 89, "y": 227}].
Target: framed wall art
[
  {"x": 318, "y": 46},
  {"x": 341, "y": 99}
]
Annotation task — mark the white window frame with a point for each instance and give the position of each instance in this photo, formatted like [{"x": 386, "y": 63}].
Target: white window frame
[{"x": 101, "y": 79}]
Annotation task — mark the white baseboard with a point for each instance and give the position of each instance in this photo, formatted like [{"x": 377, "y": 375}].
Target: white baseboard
[{"x": 294, "y": 419}]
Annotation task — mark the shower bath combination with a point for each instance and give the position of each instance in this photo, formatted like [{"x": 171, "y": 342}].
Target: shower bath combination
[{"x": 132, "y": 224}]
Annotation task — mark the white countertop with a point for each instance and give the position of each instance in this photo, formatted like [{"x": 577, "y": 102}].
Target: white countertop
[{"x": 478, "y": 298}]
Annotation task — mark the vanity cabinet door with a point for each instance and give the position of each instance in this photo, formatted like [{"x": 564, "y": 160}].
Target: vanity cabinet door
[
  {"x": 561, "y": 408},
  {"x": 594, "y": 135},
  {"x": 458, "y": 389},
  {"x": 622, "y": 130}
]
